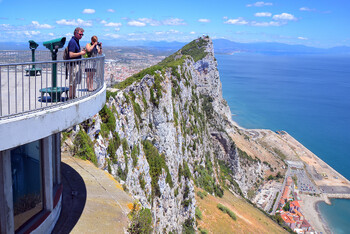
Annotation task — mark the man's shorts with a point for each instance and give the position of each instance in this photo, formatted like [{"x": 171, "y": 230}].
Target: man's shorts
[{"x": 75, "y": 74}]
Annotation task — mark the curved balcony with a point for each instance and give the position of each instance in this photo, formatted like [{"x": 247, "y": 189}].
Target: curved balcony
[{"x": 34, "y": 99}]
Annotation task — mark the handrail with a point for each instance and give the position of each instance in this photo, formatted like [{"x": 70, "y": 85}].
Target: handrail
[{"x": 27, "y": 87}]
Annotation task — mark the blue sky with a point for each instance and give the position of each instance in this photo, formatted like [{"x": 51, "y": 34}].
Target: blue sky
[{"x": 318, "y": 23}]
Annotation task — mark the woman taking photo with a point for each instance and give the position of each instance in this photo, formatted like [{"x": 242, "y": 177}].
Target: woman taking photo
[{"x": 92, "y": 49}]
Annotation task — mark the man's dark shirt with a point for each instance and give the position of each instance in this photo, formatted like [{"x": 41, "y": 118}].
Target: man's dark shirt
[{"x": 74, "y": 46}]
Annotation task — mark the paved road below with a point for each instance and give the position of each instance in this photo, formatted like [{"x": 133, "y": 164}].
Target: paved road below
[{"x": 93, "y": 201}]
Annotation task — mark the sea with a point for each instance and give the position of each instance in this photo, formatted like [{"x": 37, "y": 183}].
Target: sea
[{"x": 306, "y": 95}]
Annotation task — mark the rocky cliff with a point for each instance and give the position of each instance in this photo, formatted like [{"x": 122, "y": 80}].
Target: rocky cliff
[{"x": 166, "y": 130}]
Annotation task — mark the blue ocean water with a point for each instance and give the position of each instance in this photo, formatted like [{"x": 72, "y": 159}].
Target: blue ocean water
[
  {"x": 339, "y": 224},
  {"x": 306, "y": 95}
]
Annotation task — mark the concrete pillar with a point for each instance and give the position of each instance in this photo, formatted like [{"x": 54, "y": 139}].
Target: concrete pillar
[
  {"x": 46, "y": 146},
  {"x": 6, "y": 199},
  {"x": 58, "y": 157}
]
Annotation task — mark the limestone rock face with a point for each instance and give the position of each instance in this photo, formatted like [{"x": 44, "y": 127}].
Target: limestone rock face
[{"x": 180, "y": 111}]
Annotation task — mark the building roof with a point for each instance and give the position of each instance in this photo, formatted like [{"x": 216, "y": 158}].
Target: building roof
[
  {"x": 294, "y": 204},
  {"x": 287, "y": 217},
  {"x": 305, "y": 224}
]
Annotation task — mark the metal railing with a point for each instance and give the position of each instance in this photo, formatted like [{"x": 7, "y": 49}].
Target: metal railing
[
  {"x": 20, "y": 56},
  {"x": 33, "y": 86}
]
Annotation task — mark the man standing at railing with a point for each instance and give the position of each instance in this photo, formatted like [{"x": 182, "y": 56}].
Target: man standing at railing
[{"x": 75, "y": 52}]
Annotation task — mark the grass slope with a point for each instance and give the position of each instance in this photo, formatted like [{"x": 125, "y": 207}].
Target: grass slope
[{"x": 249, "y": 219}]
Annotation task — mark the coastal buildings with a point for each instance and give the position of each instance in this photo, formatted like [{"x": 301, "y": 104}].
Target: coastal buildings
[
  {"x": 289, "y": 208},
  {"x": 33, "y": 111}
]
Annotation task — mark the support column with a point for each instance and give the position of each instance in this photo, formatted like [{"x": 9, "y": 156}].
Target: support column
[
  {"x": 58, "y": 157},
  {"x": 46, "y": 146},
  {"x": 6, "y": 199}
]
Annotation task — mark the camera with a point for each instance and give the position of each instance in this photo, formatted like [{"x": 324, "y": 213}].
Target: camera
[{"x": 99, "y": 44}]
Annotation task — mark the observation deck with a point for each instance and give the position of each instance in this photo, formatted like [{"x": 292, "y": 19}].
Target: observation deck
[
  {"x": 26, "y": 114},
  {"x": 34, "y": 109}
]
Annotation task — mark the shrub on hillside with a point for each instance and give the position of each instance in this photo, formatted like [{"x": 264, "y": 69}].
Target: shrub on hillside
[
  {"x": 227, "y": 211},
  {"x": 141, "y": 221},
  {"x": 84, "y": 148}
]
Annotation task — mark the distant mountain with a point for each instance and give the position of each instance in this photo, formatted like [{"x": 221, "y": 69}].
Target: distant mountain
[
  {"x": 222, "y": 46},
  {"x": 227, "y": 46}
]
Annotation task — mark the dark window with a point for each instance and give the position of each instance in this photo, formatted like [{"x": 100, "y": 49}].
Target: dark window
[{"x": 26, "y": 182}]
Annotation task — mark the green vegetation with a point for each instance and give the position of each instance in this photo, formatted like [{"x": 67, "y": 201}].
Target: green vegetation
[
  {"x": 108, "y": 121},
  {"x": 135, "y": 105},
  {"x": 64, "y": 136},
  {"x": 141, "y": 221},
  {"x": 277, "y": 177},
  {"x": 207, "y": 105},
  {"x": 186, "y": 171},
  {"x": 156, "y": 86},
  {"x": 134, "y": 153},
  {"x": 123, "y": 174},
  {"x": 198, "y": 213},
  {"x": 142, "y": 182},
  {"x": 84, "y": 148},
  {"x": 246, "y": 157},
  {"x": 274, "y": 201},
  {"x": 136, "y": 77},
  {"x": 205, "y": 178},
  {"x": 201, "y": 195},
  {"x": 187, "y": 227},
  {"x": 279, "y": 153},
  {"x": 227, "y": 211},
  {"x": 225, "y": 174},
  {"x": 113, "y": 145},
  {"x": 286, "y": 206},
  {"x": 195, "y": 49},
  {"x": 110, "y": 94},
  {"x": 156, "y": 163},
  {"x": 145, "y": 106}
]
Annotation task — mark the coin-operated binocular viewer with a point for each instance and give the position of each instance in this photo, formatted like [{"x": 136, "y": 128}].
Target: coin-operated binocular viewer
[
  {"x": 32, "y": 72},
  {"x": 54, "y": 91}
]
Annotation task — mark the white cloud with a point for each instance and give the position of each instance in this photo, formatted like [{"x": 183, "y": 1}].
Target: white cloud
[
  {"x": 267, "y": 24},
  {"x": 37, "y": 25},
  {"x": 151, "y": 22},
  {"x": 204, "y": 20},
  {"x": 263, "y": 14},
  {"x": 136, "y": 23},
  {"x": 239, "y": 21},
  {"x": 89, "y": 11},
  {"x": 192, "y": 32},
  {"x": 112, "y": 35},
  {"x": 78, "y": 22},
  {"x": 174, "y": 21},
  {"x": 306, "y": 9},
  {"x": 302, "y": 38},
  {"x": 260, "y": 4},
  {"x": 31, "y": 33},
  {"x": 284, "y": 16},
  {"x": 111, "y": 10},
  {"x": 51, "y": 34},
  {"x": 117, "y": 29},
  {"x": 103, "y": 22},
  {"x": 111, "y": 24},
  {"x": 141, "y": 22}
]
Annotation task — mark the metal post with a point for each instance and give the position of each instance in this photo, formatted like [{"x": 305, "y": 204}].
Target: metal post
[{"x": 33, "y": 59}]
